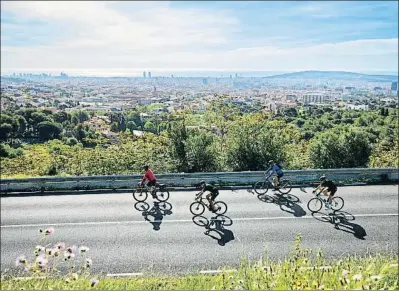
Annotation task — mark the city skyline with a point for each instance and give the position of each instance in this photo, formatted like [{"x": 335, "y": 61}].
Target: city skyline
[{"x": 127, "y": 38}]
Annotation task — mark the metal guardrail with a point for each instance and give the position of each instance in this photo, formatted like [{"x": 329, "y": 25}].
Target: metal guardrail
[{"x": 183, "y": 180}]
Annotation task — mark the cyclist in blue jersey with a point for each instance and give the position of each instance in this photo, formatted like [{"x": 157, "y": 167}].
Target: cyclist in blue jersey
[{"x": 277, "y": 169}]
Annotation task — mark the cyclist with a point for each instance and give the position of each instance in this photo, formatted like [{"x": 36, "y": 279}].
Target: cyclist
[
  {"x": 149, "y": 175},
  {"x": 328, "y": 189},
  {"x": 275, "y": 168},
  {"x": 214, "y": 192}
]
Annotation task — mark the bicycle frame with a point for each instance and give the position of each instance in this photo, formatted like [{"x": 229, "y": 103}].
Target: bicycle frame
[{"x": 201, "y": 199}]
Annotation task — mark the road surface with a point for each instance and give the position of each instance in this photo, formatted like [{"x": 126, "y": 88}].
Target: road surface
[{"x": 121, "y": 240}]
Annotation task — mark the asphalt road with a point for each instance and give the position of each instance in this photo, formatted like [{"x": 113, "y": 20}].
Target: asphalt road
[{"x": 121, "y": 240}]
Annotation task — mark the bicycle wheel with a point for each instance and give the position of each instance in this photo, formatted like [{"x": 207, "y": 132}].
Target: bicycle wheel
[
  {"x": 201, "y": 220},
  {"x": 261, "y": 187},
  {"x": 221, "y": 207},
  {"x": 165, "y": 206},
  {"x": 337, "y": 203},
  {"x": 140, "y": 195},
  {"x": 162, "y": 195},
  {"x": 225, "y": 221},
  {"x": 285, "y": 187},
  {"x": 141, "y": 206},
  {"x": 197, "y": 208},
  {"x": 314, "y": 205}
]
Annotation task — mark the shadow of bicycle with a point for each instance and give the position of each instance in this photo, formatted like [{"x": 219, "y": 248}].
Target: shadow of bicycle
[
  {"x": 157, "y": 212},
  {"x": 215, "y": 228},
  {"x": 286, "y": 202},
  {"x": 342, "y": 221}
]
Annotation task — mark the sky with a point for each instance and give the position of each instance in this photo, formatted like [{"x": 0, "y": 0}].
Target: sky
[{"x": 125, "y": 38}]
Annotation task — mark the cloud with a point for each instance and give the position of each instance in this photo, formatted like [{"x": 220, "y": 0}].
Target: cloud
[{"x": 134, "y": 36}]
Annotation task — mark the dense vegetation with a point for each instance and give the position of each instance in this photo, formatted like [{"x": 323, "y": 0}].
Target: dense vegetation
[{"x": 225, "y": 137}]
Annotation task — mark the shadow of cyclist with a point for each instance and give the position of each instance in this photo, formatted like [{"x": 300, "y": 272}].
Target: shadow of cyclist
[
  {"x": 287, "y": 203},
  {"x": 342, "y": 221},
  {"x": 158, "y": 211},
  {"x": 217, "y": 225}
]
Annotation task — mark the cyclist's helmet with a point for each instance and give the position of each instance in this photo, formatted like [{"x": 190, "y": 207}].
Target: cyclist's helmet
[
  {"x": 202, "y": 183},
  {"x": 322, "y": 178},
  {"x": 271, "y": 162},
  {"x": 146, "y": 167}
]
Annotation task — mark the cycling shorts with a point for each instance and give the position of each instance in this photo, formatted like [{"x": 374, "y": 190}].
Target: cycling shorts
[{"x": 151, "y": 183}]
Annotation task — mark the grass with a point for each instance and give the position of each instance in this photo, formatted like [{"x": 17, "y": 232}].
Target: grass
[{"x": 300, "y": 270}]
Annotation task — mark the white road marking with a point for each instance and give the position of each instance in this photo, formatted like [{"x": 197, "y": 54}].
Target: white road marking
[
  {"x": 216, "y": 271},
  {"x": 179, "y": 220},
  {"x": 125, "y": 275}
]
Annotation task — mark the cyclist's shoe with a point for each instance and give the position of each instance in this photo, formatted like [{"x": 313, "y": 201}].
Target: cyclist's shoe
[
  {"x": 153, "y": 195},
  {"x": 327, "y": 205}
]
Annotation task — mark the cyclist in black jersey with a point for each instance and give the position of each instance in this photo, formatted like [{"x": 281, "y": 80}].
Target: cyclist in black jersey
[
  {"x": 214, "y": 192},
  {"x": 327, "y": 187}
]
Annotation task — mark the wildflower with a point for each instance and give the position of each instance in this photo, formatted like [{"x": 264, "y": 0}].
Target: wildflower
[
  {"x": 41, "y": 261},
  {"x": 21, "y": 260},
  {"x": 60, "y": 246},
  {"x": 93, "y": 282},
  {"x": 48, "y": 251},
  {"x": 40, "y": 248},
  {"x": 74, "y": 276},
  {"x": 375, "y": 278},
  {"x": 49, "y": 231},
  {"x": 240, "y": 282},
  {"x": 68, "y": 256},
  {"x": 55, "y": 252},
  {"x": 345, "y": 273},
  {"x": 357, "y": 277},
  {"x": 231, "y": 277},
  {"x": 89, "y": 262},
  {"x": 266, "y": 268},
  {"x": 71, "y": 249},
  {"x": 83, "y": 249},
  {"x": 67, "y": 280},
  {"x": 321, "y": 287},
  {"x": 347, "y": 280}
]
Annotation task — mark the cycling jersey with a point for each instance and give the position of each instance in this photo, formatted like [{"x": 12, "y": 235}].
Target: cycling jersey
[
  {"x": 275, "y": 168},
  {"x": 149, "y": 175},
  {"x": 210, "y": 188},
  {"x": 329, "y": 184}
]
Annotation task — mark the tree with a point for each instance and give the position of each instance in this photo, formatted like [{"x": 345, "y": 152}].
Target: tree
[
  {"x": 149, "y": 126},
  {"x": 131, "y": 125},
  {"x": 5, "y": 130},
  {"x": 252, "y": 144},
  {"x": 49, "y": 130},
  {"x": 178, "y": 135},
  {"x": 201, "y": 152},
  {"x": 61, "y": 116}
]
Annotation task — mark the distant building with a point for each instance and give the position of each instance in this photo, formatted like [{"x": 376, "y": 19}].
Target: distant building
[
  {"x": 144, "y": 75},
  {"x": 205, "y": 81},
  {"x": 149, "y": 75},
  {"x": 313, "y": 98},
  {"x": 394, "y": 86}
]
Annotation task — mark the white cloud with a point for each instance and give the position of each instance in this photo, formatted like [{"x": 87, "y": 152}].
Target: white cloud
[{"x": 134, "y": 36}]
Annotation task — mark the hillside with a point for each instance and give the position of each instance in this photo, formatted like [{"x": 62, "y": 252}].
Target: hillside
[{"x": 336, "y": 75}]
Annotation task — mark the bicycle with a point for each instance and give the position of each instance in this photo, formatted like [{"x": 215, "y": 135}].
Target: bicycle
[
  {"x": 198, "y": 207},
  {"x": 261, "y": 187},
  {"x": 161, "y": 194},
  {"x": 316, "y": 203}
]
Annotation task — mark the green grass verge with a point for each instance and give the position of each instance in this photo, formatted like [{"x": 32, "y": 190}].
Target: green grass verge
[{"x": 300, "y": 270}]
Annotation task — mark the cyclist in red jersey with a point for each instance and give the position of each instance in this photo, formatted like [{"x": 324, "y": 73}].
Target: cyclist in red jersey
[{"x": 149, "y": 175}]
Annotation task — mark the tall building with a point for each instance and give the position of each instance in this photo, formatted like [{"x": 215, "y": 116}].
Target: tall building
[
  {"x": 144, "y": 75},
  {"x": 205, "y": 81},
  {"x": 149, "y": 75},
  {"x": 394, "y": 86}
]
